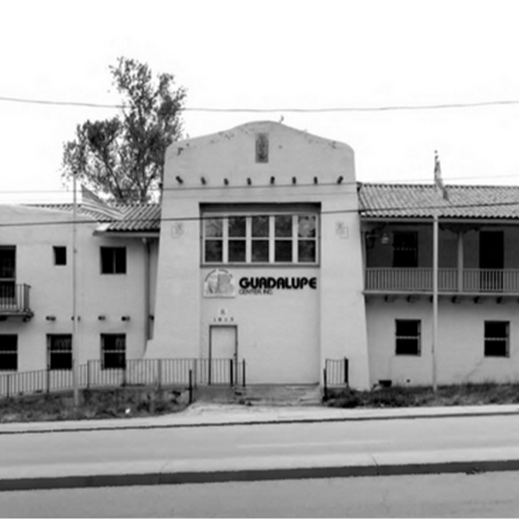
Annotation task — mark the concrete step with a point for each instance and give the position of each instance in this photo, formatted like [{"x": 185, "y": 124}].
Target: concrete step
[{"x": 271, "y": 395}]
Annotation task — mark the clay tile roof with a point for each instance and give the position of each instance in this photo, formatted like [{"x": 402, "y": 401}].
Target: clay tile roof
[
  {"x": 139, "y": 217},
  {"x": 420, "y": 201}
]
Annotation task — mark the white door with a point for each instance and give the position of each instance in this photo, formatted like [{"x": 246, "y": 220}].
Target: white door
[{"x": 223, "y": 342}]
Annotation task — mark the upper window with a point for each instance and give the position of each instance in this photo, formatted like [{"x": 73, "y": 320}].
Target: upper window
[
  {"x": 286, "y": 238},
  {"x": 8, "y": 352},
  {"x": 405, "y": 249},
  {"x": 407, "y": 337},
  {"x": 496, "y": 339},
  {"x": 59, "y": 351},
  {"x": 7, "y": 274},
  {"x": 60, "y": 255},
  {"x": 113, "y": 260}
]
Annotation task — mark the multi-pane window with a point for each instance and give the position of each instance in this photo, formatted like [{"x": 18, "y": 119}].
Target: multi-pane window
[
  {"x": 59, "y": 351},
  {"x": 407, "y": 336},
  {"x": 281, "y": 238},
  {"x": 113, "y": 351},
  {"x": 60, "y": 255},
  {"x": 7, "y": 273},
  {"x": 113, "y": 260},
  {"x": 497, "y": 338},
  {"x": 405, "y": 249},
  {"x": 8, "y": 352}
]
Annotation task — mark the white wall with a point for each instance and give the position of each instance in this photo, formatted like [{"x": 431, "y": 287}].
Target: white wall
[
  {"x": 460, "y": 350},
  {"x": 51, "y": 285},
  {"x": 338, "y": 315}
]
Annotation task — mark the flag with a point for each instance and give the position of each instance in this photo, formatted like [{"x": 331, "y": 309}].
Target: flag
[
  {"x": 91, "y": 202},
  {"x": 438, "y": 177}
]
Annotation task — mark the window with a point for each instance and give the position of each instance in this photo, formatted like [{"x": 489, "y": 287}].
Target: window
[
  {"x": 405, "y": 249},
  {"x": 8, "y": 352},
  {"x": 59, "y": 349},
  {"x": 113, "y": 351},
  {"x": 280, "y": 238},
  {"x": 60, "y": 255},
  {"x": 407, "y": 337},
  {"x": 113, "y": 260},
  {"x": 496, "y": 338},
  {"x": 7, "y": 274}
]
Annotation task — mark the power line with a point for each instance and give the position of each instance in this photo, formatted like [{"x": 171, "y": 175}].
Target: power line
[
  {"x": 210, "y": 216},
  {"x": 438, "y": 106}
]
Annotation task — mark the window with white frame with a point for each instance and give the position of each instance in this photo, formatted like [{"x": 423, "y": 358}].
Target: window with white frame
[
  {"x": 497, "y": 338},
  {"x": 8, "y": 352},
  {"x": 113, "y": 351},
  {"x": 260, "y": 238},
  {"x": 407, "y": 335},
  {"x": 59, "y": 348}
]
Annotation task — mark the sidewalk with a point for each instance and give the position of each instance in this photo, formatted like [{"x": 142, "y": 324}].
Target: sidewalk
[
  {"x": 205, "y": 415},
  {"x": 253, "y": 468}
]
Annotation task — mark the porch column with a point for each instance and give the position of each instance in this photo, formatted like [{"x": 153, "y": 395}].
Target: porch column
[{"x": 460, "y": 261}]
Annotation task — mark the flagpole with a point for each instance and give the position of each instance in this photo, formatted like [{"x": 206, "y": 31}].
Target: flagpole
[
  {"x": 435, "y": 300},
  {"x": 439, "y": 187}
]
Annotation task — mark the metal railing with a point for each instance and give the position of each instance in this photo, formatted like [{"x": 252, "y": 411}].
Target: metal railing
[
  {"x": 136, "y": 372},
  {"x": 449, "y": 280},
  {"x": 335, "y": 374},
  {"x": 14, "y": 298}
]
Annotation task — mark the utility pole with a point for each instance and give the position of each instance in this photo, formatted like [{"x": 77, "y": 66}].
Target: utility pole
[{"x": 74, "y": 297}]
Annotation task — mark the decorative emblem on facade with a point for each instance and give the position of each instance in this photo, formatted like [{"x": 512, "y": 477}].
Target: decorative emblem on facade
[
  {"x": 219, "y": 283},
  {"x": 177, "y": 229},
  {"x": 341, "y": 229},
  {"x": 262, "y": 147}
]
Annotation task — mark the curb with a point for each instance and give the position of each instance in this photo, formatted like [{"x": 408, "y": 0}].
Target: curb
[
  {"x": 227, "y": 476},
  {"x": 230, "y": 423}
]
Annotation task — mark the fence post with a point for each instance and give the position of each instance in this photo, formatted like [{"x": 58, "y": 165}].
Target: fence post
[
  {"x": 47, "y": 376},
  {"x": 231, "y": 371},
  {"x": 243, "y": 380},
  {"x": 8, "y": 388},
  {"x": 346, "y": 372},
  {"x": 88, "y": 375},
  {"x": 159, "y": 374},
  {"x": 325, "y": 384},
  {"x": 190, "y": 386},
  {"x": 124, "y": 373}
]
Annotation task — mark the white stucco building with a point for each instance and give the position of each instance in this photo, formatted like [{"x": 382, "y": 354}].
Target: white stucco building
[{"x": 266, "y": 249}]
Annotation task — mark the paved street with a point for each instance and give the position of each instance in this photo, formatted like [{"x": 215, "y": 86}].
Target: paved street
[
  {"x": 447, "y": 495},
  {"x": 288, "y": 446}
]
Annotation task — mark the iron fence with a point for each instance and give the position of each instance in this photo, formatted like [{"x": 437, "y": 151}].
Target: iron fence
[
  {"x": 335, "y": 374},
  {"x": 135, "y": 372}
]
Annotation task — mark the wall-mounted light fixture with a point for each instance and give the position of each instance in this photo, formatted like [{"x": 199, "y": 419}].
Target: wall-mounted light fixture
[
  {"x": 50, "y": 317},
  {"x": 385, "y": 239},
  {"x": 101, "y": 317},
  {"x": 125, "y": 318}
]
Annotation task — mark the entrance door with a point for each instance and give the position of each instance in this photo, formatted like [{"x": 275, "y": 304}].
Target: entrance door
[
  {"x": 491, "y": 259},
  {"x": 223, "y": 347}
]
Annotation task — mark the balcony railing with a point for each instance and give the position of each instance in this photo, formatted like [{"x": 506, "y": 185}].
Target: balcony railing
[
  {"x": 473, "y": 281},
  {"x": 14, "y": 300}
]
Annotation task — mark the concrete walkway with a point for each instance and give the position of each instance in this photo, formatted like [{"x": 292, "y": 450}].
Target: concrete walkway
[
  {"x": 205, "y": 415},
  {"x": 250, "y": 469}
]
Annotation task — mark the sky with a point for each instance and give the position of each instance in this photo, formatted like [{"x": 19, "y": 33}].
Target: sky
[{"x": 278, "y": 54}]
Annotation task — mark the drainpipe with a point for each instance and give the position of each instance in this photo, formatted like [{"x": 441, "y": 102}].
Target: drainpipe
[{"x": 147, "y": 284}]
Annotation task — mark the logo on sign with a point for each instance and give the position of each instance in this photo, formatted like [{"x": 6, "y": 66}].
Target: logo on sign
[{"x": 219, "y": 283}]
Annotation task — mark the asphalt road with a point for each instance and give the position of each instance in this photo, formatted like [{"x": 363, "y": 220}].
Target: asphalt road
[{"x": 447, "y": 495}]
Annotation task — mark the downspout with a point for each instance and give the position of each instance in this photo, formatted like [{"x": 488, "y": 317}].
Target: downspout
[{"x": 147, "y": 285}]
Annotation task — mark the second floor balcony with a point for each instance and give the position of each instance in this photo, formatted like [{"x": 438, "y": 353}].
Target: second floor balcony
[
  {"x": 450, "y": 281},
  {"x": 14, "y": 301}
]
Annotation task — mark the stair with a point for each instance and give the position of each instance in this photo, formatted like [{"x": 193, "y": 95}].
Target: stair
[{"x": 279, "y": 395}]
